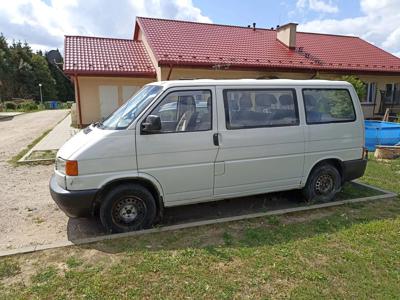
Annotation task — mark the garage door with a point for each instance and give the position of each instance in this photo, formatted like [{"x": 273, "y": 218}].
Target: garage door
[
  {"x": 108, "y": 99},
  {"x": 128, "y": 91}
]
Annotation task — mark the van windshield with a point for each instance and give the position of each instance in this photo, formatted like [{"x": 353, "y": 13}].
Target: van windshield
[{"x": 123, "y": 116}]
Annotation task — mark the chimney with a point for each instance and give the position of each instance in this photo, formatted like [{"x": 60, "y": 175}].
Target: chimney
[{"x": 286, "y": 34}]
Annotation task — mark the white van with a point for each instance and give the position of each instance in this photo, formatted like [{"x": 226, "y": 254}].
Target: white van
[{"x": 184, "y": 142}]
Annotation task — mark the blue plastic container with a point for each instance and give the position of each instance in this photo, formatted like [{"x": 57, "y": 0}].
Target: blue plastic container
[
  {"x": 381, "y": 133},
  {"x": 53, "y": 104}
]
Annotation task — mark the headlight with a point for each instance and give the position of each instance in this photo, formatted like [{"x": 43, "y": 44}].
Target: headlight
[
  {"x": 67, "y": 167},
  {"x": 60, "y": 165}
]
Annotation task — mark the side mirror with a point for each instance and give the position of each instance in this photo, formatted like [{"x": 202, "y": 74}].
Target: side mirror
[{"x": 152, "y": 124}]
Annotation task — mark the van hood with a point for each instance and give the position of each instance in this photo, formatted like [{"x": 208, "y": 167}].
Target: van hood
[{"x": 86, "y": 136}]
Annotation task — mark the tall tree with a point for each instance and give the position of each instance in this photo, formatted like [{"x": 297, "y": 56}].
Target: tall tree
[
  {"x": 5, "y": 69},
  {"x": 22, "y": 75},
  {"x": 43, "y": 76}
]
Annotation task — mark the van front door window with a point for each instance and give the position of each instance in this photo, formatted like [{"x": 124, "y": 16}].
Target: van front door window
[{"x": 185, "y": 111}]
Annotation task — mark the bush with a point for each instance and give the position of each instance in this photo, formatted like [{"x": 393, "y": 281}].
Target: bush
[
  {"x": 41, "y": 106},
  {"x": 27, "y": 106},
  {"x": 359, "y": 86},
  {"x": 65, "y": 105},
  {"x": 10, "y": 105},
  {"x": 46, "y": 104}
]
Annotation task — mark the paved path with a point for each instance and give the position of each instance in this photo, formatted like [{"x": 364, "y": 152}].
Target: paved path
[
  {"x": 58, "y": 136},
  {"x": 55, "y": 139}
]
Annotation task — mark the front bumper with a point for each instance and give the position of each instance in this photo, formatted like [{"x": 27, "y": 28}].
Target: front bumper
[
  {"x": 73, "y": 203},
  {"x": 352, "y": 169}
]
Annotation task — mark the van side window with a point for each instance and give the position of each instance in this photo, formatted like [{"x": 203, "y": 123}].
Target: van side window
[
  {"x": 260, "y": 108},
  {"x": 328, "y": 106},
  {"x": 185, "y": 111}
]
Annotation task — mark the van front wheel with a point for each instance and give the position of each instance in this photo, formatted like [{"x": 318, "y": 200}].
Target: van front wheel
[
  {"x": 127, "y": 207},
  {"x": 323, "y": 184}
]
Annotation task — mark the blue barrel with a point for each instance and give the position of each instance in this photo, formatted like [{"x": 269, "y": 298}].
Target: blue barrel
[{"x": 53, "y": 104}]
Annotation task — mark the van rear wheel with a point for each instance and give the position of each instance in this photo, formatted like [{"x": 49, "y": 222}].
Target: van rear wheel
[
  {"x": 127, "y": 207},
  {"x": 323, "y": 184}
]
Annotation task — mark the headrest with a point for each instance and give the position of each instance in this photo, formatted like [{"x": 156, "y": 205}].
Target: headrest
[
  {"x": 187, "y": 100},
  {"x": 286, "y": 100},
  {"x": 265, "y": 100},
  {"x": 310, "y": 100},
  {"x": 233, "y": 105},
  {"x": 208, "y": 102},
  {"x": 245, "y": 101}
]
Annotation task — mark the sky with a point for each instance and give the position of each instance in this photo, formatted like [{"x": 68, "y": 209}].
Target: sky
[{"x": 43, "y": 23}]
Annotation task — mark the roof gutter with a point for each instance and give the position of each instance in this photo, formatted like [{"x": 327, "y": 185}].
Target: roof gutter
[{"x": 111, "y": 74}]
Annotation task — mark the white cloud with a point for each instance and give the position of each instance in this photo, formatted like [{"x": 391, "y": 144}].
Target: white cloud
[
  {"x": 318, "y": 6},
  {"x": 379, "y": 24},
  {"x": 43, "y": 24}
]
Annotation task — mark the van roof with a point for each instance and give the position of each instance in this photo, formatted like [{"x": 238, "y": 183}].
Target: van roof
[{"x": 252, "y": 82}]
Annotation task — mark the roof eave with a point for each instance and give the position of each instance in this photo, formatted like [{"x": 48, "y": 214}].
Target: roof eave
[
  {"x": 264, "y": 67},
  {"x": 109, "y": 73}
]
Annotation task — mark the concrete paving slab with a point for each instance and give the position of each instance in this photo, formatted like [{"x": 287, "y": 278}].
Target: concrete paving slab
[
  {"x": 54, "y": 140},
  {"x": 58, "y": 136}
]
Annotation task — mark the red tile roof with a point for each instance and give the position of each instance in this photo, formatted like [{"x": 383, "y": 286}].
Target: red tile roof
[
  {"x": 95, "y": 55},
  {"x": 189, "y": 43}
]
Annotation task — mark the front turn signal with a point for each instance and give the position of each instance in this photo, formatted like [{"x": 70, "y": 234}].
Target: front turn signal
[{"x": 71, "y": 168}]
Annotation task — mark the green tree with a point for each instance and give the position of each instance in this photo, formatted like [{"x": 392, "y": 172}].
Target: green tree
[
  {"x": 358, "y": 85},
  {"x": 22, "y": 75},
  {"x": 5, "y": 69},
  {"x": 43, "y": 76}
]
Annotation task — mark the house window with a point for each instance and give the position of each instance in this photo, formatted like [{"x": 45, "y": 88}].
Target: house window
[
  {"x": 396, "y": 93},
  {"x": 392, "y": 93},
  {"x": 389, "y": 93},
  {"x": 370, "y": 93}
]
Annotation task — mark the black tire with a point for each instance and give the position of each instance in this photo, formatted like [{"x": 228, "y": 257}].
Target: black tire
[
  {"x": 322, "y": 185},
  {"x": 127, "y": 207}
]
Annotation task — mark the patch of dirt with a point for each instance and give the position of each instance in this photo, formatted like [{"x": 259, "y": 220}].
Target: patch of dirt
[{"x": 28, "y": 214}]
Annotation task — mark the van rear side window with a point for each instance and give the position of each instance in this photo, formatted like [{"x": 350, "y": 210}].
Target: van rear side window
[
  {"x": 328, "y": 106},
  {"x": 260, "y": 108}
]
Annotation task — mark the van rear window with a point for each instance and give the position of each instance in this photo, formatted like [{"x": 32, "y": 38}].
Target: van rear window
[
  {"x": 260, "y": 108},
  {"x": 328, "y": 106}
]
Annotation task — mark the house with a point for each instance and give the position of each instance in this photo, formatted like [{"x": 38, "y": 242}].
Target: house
[{"x": 107, "y": 71}]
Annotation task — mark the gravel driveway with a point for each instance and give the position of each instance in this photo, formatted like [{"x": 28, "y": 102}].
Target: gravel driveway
[{"x": 28, "y": 214}]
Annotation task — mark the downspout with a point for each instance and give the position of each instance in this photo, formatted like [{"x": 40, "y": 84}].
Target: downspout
[
  {"x": 78, "y": 99},
  {"x": 316, "y": 74},
  {"x": 170, "y": 71}
]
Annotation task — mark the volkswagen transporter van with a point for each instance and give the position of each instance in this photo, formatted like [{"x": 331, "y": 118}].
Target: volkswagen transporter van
[{"x": 184, "y": 142}]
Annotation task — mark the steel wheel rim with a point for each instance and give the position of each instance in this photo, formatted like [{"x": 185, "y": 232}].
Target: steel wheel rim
[
  {"x": 324, "y": 184},
  {"x": 129, "y": 211}
]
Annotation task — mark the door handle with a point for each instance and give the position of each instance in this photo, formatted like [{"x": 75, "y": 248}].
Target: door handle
[{"x": 216, "y": 139}]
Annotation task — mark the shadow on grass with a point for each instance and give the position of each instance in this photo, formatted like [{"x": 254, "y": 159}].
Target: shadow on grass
[
  {"x": 86, "y": 228},
  {"x": 264, "y": 231}
]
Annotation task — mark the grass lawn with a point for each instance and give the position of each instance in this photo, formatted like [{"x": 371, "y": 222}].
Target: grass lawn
[{"x": 351, "y": 251}]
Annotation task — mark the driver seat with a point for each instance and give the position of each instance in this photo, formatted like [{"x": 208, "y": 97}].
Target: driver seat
[{"x": 188, "y": 106}]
